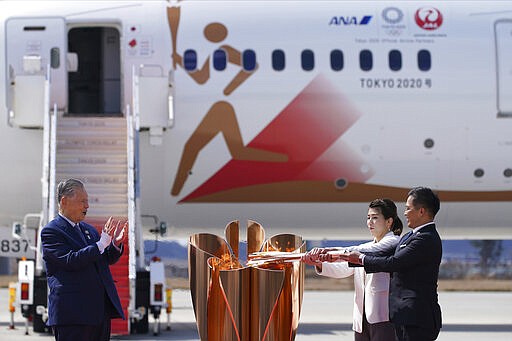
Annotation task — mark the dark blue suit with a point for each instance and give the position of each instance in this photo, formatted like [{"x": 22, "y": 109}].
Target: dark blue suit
[
  {"x": 81, "y": 288},
  {"x": 414, "y": 268}
]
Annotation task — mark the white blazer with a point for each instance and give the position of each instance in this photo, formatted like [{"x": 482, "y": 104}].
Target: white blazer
[{"x": 375, "y": 287}]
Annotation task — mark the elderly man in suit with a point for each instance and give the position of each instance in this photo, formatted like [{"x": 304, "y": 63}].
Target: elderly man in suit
[
  {"x": 82, "y": 296},
  {"x": 414, "y": 267}
]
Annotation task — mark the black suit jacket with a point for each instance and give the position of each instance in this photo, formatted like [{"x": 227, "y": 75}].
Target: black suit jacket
[
  {"x": 414, "y": 269},
  {"x": 79, "y": 277}
]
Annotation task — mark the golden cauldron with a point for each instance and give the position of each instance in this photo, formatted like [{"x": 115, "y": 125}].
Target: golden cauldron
[{"x": 249, "y": 303}]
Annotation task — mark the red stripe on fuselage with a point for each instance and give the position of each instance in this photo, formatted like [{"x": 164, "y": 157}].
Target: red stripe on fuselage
[{"x": 306, "y": 129}]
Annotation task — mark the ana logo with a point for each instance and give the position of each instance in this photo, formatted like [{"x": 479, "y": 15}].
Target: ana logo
[
  {"x": 392, "y": 15},
  {"x": 428, "y": 18},
  {"x": 348, "y": 20}
]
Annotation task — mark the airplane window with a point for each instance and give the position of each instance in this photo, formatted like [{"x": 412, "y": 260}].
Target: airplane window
[
  {"x": 249, "y": 60},
  {"x": 190, "y": 60},
  {"x": 219, "y": 60},
  {"x": 340, "y": 183},
  {"x": 424, "y": 60},
  {"x": 366, "y": 60},
  {"x": 55, "y": 57},
  {"x": 395, "y": 60},
  {"x": 507, "y": 173},
  {"x": 428, "y": 143},
  {"x": 336, "y": 60},
  {"x": 278, "y": 60},
  {"x": 478, "y": 173},
  {"x": 308, "y": 60}
]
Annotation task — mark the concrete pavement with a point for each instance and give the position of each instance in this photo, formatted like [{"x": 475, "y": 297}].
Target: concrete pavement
[{"x": 327, "y": 316}]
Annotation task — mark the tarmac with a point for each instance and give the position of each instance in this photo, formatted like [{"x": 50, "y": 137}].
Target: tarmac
[{"x": 325, "y": 316}]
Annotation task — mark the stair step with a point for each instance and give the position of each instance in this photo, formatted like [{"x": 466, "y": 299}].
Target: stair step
[
  {"x": 92, "y": 121},
  {"x": 116, "y": 134},
  {"x": 95, "y": 179},
  {"x": 68, "y": 127},
  {"x": 106, "y": 198},
  {"x": 103, "y": 205},
  {"x": 119, "y": 326},
  {"x": 91, "y": 142},
  {"x": 92, "y": 169},
  {"x": 89, "y": 155},
  {"x": 115, "y": 211},
  {"x": 91, "y": 159},
  {"x": 97, "y": 222},
  {"x": 115, "y": 188},
  {"x": 108, "y": 188}
]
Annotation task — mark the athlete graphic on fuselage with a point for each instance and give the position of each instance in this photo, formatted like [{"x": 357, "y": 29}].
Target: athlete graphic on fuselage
[{"x": 221, "y": 117}]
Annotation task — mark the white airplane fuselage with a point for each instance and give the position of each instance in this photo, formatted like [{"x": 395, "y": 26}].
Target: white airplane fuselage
[{"x": 296, "y": 114}]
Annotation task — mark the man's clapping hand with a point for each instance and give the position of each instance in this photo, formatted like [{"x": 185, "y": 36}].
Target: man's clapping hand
[{"x": 116, "y": 228}]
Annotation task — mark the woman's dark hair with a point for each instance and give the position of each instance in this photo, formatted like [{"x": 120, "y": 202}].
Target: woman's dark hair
[{"x": 388, "y": 209}]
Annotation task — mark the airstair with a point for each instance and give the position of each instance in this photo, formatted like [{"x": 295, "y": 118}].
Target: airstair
[
  {"x": 94, "y": 150},
  {"x": 88, "y": 135}
]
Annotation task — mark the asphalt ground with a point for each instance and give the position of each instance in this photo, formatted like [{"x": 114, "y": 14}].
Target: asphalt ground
[{"x": 325, "y": 316}]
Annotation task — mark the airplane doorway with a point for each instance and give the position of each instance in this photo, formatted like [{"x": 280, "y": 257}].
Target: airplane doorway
[
  {"x": 503, "y": 32},
  {"x": 94, "y": 89}
]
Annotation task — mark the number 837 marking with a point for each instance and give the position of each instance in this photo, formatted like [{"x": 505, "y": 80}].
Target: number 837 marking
[{"x": 13, "y": 245}]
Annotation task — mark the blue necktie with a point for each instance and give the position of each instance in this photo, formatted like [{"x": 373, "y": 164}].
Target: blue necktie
[
  {"x": 406, "y": 237},
  {"x": 81, "y": 233}
]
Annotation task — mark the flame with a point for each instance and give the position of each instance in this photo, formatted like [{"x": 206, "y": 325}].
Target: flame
[
  {"x": 226, "y": 262},
  {"x": 270, "y": 248}
]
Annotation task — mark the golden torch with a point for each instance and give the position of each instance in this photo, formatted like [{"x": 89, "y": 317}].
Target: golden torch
[{"x": 260, "y": 301}]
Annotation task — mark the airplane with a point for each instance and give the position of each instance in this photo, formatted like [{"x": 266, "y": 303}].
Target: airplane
[
  {"x": 295, "y": 115},
  {"x": 187, "y": 115}
]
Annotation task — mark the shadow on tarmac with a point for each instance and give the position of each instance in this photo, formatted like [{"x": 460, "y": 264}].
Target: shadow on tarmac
[
  {"x": 330, "y": 328},
  {"x": 188, "y": 331}
]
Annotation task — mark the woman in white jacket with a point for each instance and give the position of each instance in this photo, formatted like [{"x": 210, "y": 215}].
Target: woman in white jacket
[{"x": 371, "y": 308}]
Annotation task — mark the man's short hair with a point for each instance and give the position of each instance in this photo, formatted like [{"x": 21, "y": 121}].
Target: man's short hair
[
  {"x": 426, "y": 198},
  {"x": 68, "y": 187}
]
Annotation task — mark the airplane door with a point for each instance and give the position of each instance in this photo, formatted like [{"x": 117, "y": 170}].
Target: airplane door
[
  {"x": 503, "y": 35},
  {"x": 38, "y": 46}
]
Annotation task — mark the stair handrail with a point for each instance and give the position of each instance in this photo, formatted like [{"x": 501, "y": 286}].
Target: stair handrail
[
  {"x": 131, "y": 186},
  {"x": 135, "y": 122},
  {"x": 132, "y": 271},
  {"x": 52, "y": 204},
  {"x": 48, "y": 165}
]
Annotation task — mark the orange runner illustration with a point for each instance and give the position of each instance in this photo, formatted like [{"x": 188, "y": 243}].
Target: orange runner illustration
[{"x": 221, "y": 117}]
